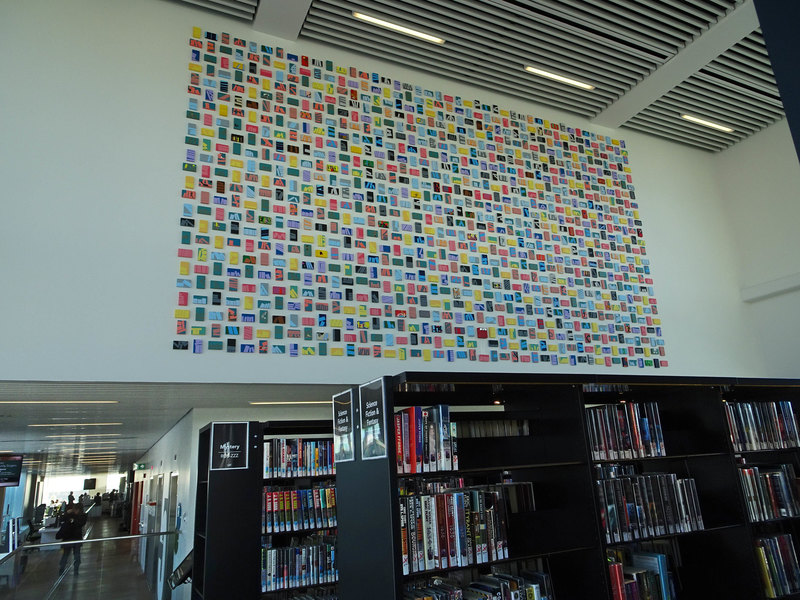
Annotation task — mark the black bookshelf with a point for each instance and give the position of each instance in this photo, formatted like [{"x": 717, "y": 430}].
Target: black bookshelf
[
  {"x": 307, "y": 430},
  {"x": 752, "y": 391},
  {"x": 565, "y": 530},
  {"x": 562, "y": 530},
  {"x": 227, "y": 516},
  {"x": 229, "y": 513}
]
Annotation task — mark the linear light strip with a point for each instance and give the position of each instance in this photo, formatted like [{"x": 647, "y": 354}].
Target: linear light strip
[
  {"x": 72, "y": 435},
  {"x": 59, "y": 401},
  {"x": 398, "y": 28},
  {"x": 561, "y": 78},
  {"x": 276, "y": 402},
  {"x": 72, "y": 424},
  {"x": 710, "y": 124}
]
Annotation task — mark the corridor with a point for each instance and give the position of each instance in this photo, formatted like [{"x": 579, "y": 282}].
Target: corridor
[{"x": 108, "y": 570}]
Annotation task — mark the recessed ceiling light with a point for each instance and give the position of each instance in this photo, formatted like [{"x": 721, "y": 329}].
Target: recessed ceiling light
[
  {"x": 73, "y": 424},
  {"x": 88, "y": 444},
  {"x": 74, "y": 435},
  {"x": 710, "y": 124},
  {"x": 269, "y": 402},
  {"x": 398, "y": 28},
  {"x": 59, "y": 401},
  {"x": 561, "y": 78}
]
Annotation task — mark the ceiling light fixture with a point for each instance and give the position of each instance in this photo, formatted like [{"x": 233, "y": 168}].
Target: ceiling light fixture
[
  {"x": 705, "y": 123},
  {"x": 561, "y": 78},
  {"x": 59, "y": 401},
  {"x": 85, "y": 444},
  {"x": 73, "y": 424},
  {"x": 73, "y": 435},
  {"x": 398, "y": 28},
  {"x": 273, "y": 402}
]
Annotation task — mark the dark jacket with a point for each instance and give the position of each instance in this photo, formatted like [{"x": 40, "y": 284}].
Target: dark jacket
[{"x": 72, "y": 527}]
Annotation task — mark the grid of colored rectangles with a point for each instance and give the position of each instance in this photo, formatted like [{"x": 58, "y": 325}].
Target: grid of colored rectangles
[{"x": 333, "y": 212}]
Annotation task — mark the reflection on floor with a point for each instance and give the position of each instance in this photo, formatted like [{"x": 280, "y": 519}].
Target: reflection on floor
[{"x": 109, "y": 570}]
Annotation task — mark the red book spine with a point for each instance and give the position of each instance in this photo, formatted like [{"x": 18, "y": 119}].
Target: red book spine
[
  {"x": 412, "y": 440},
  {"x": 443, "y": 527},
  {"x": 398, "y": 441},
  {"x": 617, "y": 581}
]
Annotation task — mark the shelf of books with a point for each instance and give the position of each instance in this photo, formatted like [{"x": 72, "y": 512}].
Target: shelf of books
[
  {"x": 299, "y": 521},
  {"x": 667, "y": 491},
  {"x": 764, "y": 436},
  {"x": 440, "y": 486},
  {"x": 485, "y": 488}
]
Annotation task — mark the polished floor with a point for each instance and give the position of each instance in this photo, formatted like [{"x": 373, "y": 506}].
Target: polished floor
[{"x": 109, "y": 570}]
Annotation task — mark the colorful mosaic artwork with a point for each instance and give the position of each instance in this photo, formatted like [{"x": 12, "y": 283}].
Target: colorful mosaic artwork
[{"x": 332, "y": 212}]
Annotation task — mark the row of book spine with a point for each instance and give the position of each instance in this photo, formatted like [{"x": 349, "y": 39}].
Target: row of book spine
[
  {"x": 624, "y": 431},
  {"x": 298, "y": 566},
  {"x": 316, "y": 594},
  {"x": 770, "y": 492},
  {"x": 298, "y": 457},
  {"x": 298, "y": 509},
  {"x": 457, "y": 528},
  {"x": 640, "y": 506},
  {"x": 528, "y": 585},
  {"x": 778, "y": 561},
  {"x": 762, "y": 425},
  {"x": 424, "y": 440},
  {"x": 493, "y": 428},
  {"x": 641, "y": 576}
]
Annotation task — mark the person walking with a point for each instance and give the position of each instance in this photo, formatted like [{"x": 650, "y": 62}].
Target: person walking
[{"x": 71, "y": 530}]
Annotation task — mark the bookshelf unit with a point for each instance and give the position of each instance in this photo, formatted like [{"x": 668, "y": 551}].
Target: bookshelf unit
[
  {"x": 307, "y": 431},
  {"x": 229, "y": 515},
  {"x": 227, "y": 521},
  {"x": 565, "y": 531},
  {"x": 759, "y": 391}
]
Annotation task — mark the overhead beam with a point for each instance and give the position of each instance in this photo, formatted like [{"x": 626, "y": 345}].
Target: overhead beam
[
  {"x": 723, "y": 34},
  {"x": 281, "y": 18},
  {"x": 768, "y": 289},
  {"x": 779, "y": 27}
]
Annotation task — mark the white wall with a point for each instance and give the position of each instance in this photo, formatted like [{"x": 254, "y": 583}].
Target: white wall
[
  {"x": 759, "y": 180},
  {"x": 93, "y": 103}
]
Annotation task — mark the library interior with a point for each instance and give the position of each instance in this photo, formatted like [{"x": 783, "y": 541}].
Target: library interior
[{"x": 411, "y": 300}]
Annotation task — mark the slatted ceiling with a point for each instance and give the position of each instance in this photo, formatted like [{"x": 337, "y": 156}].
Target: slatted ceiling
[
  {"x": 644, "y": 125},
  {"x": 242, "y": 9},
  {"x": 563, "y": 28},
  {"x": 502, "y": 83},
  {"x": 498, "y": 43},
  {"x": 483, "y": 61},
  {"x": 738, "y": 117},
  {"x": 612, "y": 44},
  {"x": 660, "y": 28}
]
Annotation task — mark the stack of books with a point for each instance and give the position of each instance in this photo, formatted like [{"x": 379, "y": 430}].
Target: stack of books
[
  {"x": 762, "y": 426},
  {"x": 424, "y": 440},
  {"x": 296, "y": 457},
  {"x": 770, "y": 492},
  {"x": 639, "y": 506},
  {"x": 528, "y": 584},
  {"x": 625, "y": 431},
  {"x": 306, "y": 562},
  {"x": 298, "y": 509},
  {"x": 639, "y": 574},
  {"x": 778, "y": 561},
  {"x": 459, "y": 527}
]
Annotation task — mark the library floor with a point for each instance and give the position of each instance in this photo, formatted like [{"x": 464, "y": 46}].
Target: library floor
[{"x": 108, "y": 570}]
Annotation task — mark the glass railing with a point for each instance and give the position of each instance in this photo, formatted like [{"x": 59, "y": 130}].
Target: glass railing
[{"x": 109, "y": 567}]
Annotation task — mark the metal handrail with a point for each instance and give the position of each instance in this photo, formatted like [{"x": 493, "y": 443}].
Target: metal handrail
[{"x": 20, "y": 549}]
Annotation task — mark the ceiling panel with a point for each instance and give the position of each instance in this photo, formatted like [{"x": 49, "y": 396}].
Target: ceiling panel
[{"x": 613, "y": 45}]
